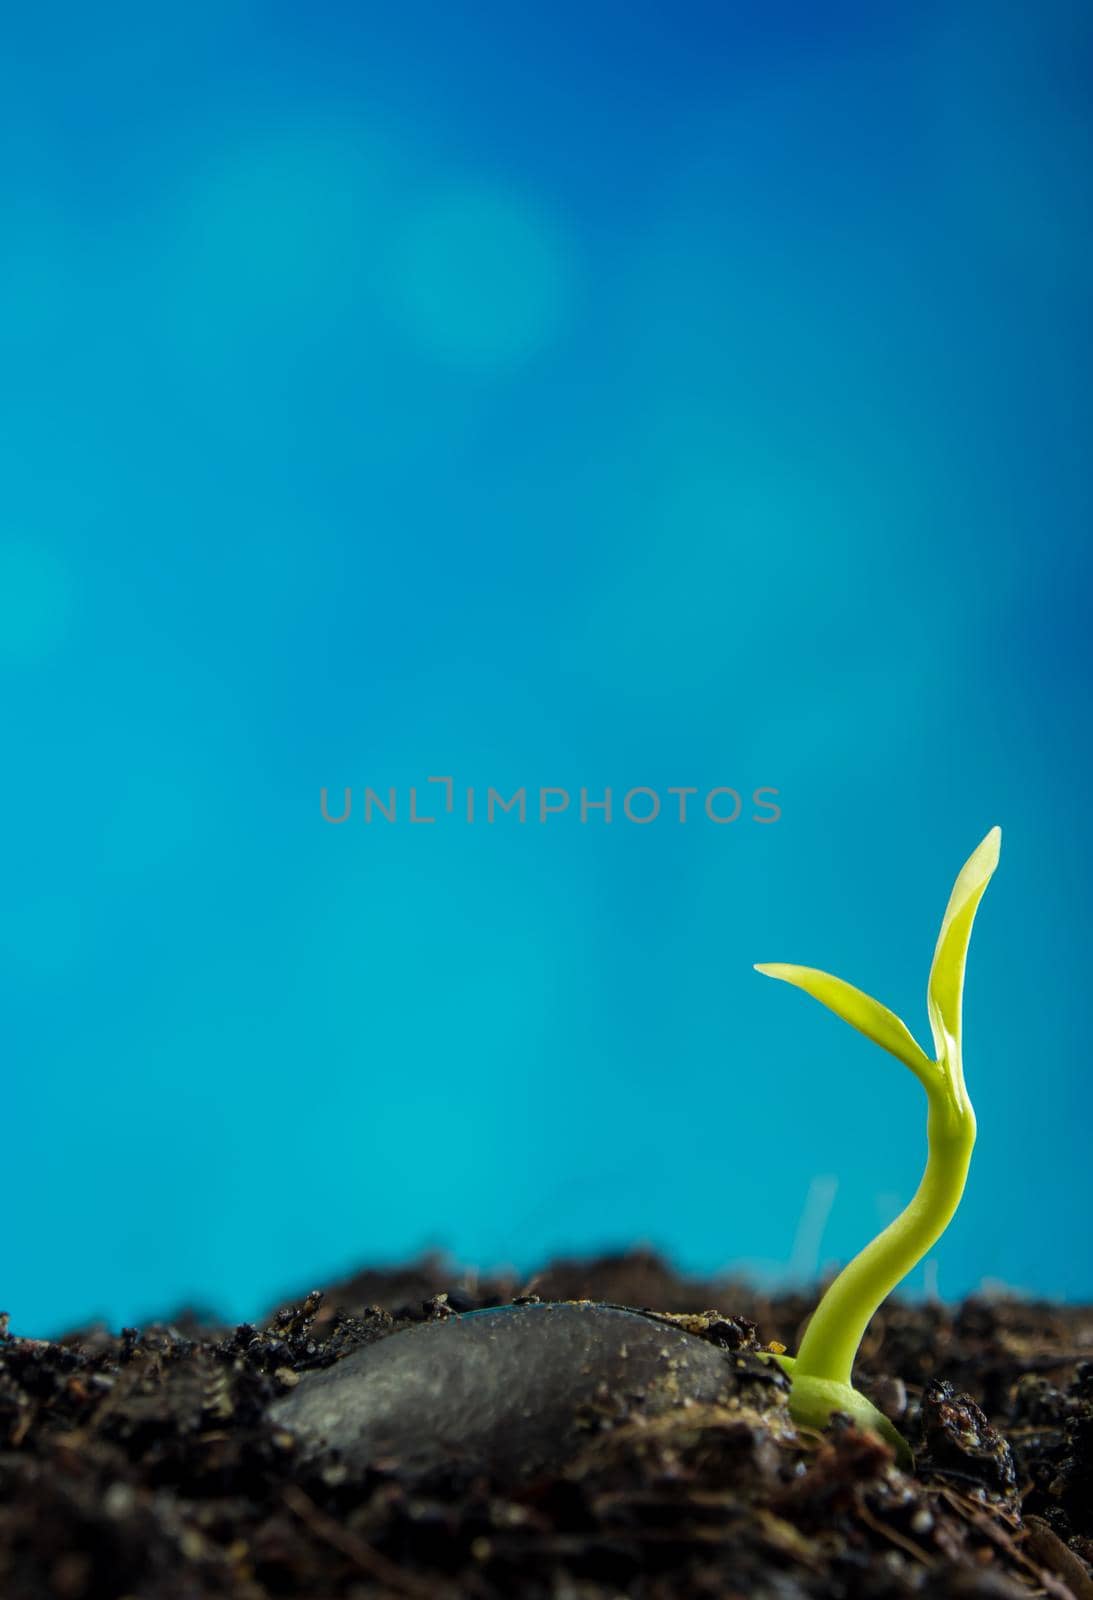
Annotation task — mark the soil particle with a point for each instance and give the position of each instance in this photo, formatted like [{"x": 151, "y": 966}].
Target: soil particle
[
  {"x": 159, "y": 1464},
  {"x": 960, "y": 1445}
]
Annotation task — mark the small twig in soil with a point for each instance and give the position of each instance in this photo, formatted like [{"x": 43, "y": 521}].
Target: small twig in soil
[
  {"x": 885, "y": 1532},
  {"x": 996, "y": 1534},
  {"x": 356, "y": 1550}
]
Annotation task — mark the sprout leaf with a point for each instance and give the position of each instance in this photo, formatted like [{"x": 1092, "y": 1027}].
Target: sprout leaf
[
  {"x": 860, "y": 1010},
  {"x": 946, "y": 986}
]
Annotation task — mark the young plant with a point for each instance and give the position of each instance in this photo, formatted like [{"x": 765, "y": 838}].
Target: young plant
[{"x": 821, "y": 1372}]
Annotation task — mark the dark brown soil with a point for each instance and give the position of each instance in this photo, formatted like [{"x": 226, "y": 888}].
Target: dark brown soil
[{"x": 147, "y": 1465}]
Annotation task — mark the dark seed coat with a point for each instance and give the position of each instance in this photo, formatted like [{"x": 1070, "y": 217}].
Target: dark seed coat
[{"x": 514, "y": 1391}]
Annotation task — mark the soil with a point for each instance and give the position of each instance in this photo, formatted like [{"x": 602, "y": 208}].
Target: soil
[{"x": 159, "y": 1464}]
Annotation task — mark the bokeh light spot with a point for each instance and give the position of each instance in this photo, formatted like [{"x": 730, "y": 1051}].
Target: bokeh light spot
[
  {"x": 483, "y": 278},
  {"x": 271, "y": 253}
]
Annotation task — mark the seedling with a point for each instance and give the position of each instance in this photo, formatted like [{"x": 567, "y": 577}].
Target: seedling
[
  {"x": 509, "y": 1386},
  {"x": 820, "y": 1373}
]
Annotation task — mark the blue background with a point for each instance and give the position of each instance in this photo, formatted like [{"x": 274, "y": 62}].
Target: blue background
[{"x": 643, "y": 394}]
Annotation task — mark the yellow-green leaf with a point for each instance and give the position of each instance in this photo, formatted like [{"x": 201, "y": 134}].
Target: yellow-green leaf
[
  {"x": 946, "y": 987},
  {"x": 860, "y": 1010}
]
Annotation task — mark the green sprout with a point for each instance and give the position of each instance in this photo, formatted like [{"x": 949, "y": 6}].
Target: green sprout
[{"x": 821, "y": 1372}]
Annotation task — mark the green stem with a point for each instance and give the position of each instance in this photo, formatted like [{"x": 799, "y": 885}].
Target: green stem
[{"x": 839, "y": 1322}]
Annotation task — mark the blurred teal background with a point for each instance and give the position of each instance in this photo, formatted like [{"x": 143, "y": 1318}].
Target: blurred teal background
[{"x": 642, "y": 394}]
